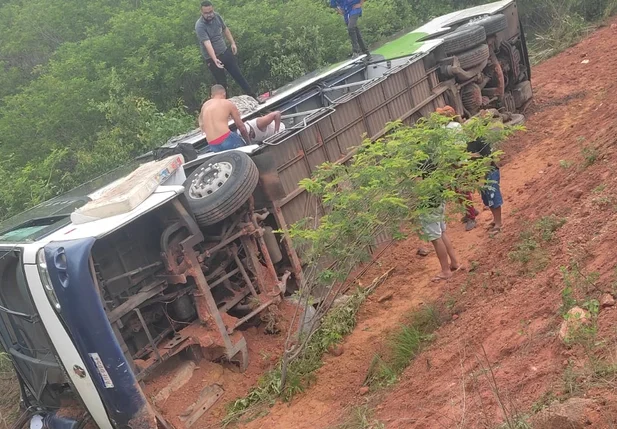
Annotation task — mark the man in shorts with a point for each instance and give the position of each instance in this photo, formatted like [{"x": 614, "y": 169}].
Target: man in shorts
[
  {"x": 214, "y": 122},
  {"x": 433, "y": 226},
  {"x": 259, "y": 129},
  {"x": 491, "y": 193}
]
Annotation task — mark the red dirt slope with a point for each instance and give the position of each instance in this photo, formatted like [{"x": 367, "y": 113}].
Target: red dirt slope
[{"x": 506, "y": 321}]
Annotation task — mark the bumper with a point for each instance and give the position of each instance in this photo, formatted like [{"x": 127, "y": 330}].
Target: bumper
[{"x": 85, "y": 319}]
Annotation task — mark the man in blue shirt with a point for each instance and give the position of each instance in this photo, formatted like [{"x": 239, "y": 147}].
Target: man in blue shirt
[{"x": 352, "y": 11}]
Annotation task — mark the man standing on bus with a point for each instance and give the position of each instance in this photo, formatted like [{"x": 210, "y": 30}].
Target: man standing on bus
[
  {"x": 352, "y": 11},
  {"x": 211, "y": 33}
]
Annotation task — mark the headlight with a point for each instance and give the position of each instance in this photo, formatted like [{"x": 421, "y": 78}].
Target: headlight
[{"x": 46, "y": 280}]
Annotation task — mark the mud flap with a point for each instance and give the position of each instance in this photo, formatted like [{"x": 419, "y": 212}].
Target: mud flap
[{"x": 83, "y": 314}]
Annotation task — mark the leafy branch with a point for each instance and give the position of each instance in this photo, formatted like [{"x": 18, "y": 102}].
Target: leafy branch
[{"x": 386, "y": 188}]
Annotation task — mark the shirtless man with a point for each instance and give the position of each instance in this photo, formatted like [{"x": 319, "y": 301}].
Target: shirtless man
[
  {"x": 259, "y": 129},
  {"x": 214, "y": 119}
]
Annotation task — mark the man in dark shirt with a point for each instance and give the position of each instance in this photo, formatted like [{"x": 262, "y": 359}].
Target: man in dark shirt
[
  {"x": 465, "y": 199},
  {"x": 211, "y": 33},
  {"x": 491, "y": 194}
]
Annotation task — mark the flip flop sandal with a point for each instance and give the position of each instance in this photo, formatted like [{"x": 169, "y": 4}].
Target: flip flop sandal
[
  {"x": 456, "y": 270},
  {"x": 494, "y": 231},
  {"x": 490, "y": 226},
  {"x": 438, "y": 278}
]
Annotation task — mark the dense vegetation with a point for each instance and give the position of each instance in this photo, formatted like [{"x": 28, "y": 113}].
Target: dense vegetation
[{"x": 86, "y": 85}]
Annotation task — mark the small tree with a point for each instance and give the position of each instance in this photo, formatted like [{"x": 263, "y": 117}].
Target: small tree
[{"x": 387, "y": 187}]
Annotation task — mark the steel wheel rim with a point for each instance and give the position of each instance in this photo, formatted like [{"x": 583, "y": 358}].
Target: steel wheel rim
[{"x": 209, "y": 179}]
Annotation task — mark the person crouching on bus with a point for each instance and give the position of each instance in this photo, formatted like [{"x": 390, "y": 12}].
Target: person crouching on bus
[{"x": 264, "y": 127}]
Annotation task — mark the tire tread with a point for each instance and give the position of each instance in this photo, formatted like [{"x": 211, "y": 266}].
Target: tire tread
[
  {"x": 245, "y": 176},
  {"x": 474, "y": 57},
  {"x": 463, "y": 39}
]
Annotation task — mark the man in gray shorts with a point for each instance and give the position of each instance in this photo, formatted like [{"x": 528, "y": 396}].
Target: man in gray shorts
[
  {"x": 211, "y": 33},
  {"x": 433, "y": 229}
]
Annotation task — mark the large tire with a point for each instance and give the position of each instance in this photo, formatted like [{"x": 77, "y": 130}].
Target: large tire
[
  {"x": 463, "y": 39},
  {"x": 492, "y": 24},
  {"x": 473, "y": 57},
  {"x": 220, "y": 186}
]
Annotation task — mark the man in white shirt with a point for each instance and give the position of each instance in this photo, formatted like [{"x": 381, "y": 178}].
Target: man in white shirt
[{"x": 259, "y": 129}]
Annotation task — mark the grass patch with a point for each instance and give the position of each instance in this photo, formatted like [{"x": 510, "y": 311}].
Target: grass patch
[
  {"x": 402, "y": 347},
  {"x": 548, "y": 226},
  {"x": 580, "y": 289},
  {"x": 337, "y": 323},
  {"x": 9, "y": 386},
  {"x": 360, "y": 418},
  {"x": 604, "y": 372},
  {"x": 543, "y": 402},
  {"x": 599, "y": 189},
  {"x": 571, "y": 383},
  {"x": 564, "y": 32},
  {"x": 578, "y": 286},
  {"x": 598, "y": 372},
  {"x": 590, "y": 155},
  {"x": 603, "y": 202},
  {"x": 559, "y": 24},
  {"x": 530, "y": 250}
]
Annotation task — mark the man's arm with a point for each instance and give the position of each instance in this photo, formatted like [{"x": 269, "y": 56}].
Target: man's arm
[
  {"x": 334, "y": 4},
  {"x": 213, "y": 57},
  {"x": 230, "y": 39},
  {"x": 264, "y": 121},
  {"x": 235, "y": 115}
]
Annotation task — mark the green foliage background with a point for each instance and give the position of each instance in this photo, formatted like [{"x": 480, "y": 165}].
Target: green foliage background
[{"x": 86, "y": 85}]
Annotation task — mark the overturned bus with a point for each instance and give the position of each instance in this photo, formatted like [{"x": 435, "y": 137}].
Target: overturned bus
[{"x": 101, "y": 286}]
